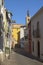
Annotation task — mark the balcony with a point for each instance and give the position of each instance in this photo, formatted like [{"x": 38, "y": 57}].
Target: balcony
[{"x": 36, "y": 33}]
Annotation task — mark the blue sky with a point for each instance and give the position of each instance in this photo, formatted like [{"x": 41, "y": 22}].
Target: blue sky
[{"x": 19, "y": 8}]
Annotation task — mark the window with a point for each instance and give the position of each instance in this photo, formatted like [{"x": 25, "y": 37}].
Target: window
[
  {"x": 0, "y": 32},
  {"x": 7, "y": 15},
  {"x": 7, "y": 35},
  {"x": 38, "y": 23},
  {"x": 38, "y": 26},
  {"x": 26, "y": 37},
  {"x": 38, "y": 31},
  {"x": 33, "y": 31},
  {"x": 23, "y": 38},
  {"x": 28, "y": 19}
]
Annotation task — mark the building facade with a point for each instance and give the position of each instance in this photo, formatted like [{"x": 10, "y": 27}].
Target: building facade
[
  {"x": 2, "y": 30},
  {"x": 22, "y": 36},
  {"x": 8, "y": 33},
  {"x": 4, "y": 26},
  {"x": 37, "y": 34},
  {"x": 27, "y": 33},
  {"x": 29, "y": 37},
  {"x": 15, "y": 34},
  {"x": 26, "y": 44}
]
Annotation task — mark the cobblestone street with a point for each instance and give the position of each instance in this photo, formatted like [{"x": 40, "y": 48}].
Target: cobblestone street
[{"x": 18, "y": 59}]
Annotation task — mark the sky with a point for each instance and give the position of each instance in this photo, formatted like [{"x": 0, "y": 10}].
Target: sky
[{"x": 19, "y": 8}]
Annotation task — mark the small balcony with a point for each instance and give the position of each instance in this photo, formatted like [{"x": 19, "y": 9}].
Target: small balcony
[{"x": 36, "y": 33}]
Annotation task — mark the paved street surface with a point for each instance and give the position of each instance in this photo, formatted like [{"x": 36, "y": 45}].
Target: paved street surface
[{"x": 18, "y": 59}]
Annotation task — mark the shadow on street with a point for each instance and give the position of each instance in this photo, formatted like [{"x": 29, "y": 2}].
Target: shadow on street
[{"x": 22, "y": 52}]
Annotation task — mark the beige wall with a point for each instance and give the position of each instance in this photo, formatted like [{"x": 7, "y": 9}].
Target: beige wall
[{"x": 34, "y": 20}]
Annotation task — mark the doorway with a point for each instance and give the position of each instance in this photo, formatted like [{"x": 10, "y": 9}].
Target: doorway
[{"x": 38, "y": 48}]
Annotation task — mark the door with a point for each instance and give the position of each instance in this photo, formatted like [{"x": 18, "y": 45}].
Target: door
[{"x": 38, "y": 48}]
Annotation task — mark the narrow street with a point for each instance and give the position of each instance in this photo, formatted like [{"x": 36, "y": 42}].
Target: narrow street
[{"x": 18, "y": 59}]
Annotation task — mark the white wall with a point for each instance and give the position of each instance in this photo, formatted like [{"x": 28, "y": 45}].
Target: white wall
[
  {"x": 34, "y": 20},
  {"x": 21, "y": 33},
  {"x": 22, "y": 36}
]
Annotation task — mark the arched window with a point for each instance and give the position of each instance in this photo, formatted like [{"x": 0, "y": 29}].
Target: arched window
[
  {"x": 38, "y": 24},
  {"x": 38, "y": 31}
]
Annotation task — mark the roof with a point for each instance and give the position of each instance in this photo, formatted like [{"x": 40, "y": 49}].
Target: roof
[
  {"x": 16, "y": 25},
  {"x": 23, "y": 26},
  {"x": 40, "y": 10}
]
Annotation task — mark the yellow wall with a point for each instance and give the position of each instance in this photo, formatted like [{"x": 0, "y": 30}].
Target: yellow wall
[{"x": 16, "y": 33}]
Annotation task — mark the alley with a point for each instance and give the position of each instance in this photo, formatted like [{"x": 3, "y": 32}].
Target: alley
[{"x": 18, "y": 59}]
